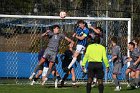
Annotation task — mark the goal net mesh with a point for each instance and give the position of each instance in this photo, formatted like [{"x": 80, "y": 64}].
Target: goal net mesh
[{"x": 20, "y": 42}]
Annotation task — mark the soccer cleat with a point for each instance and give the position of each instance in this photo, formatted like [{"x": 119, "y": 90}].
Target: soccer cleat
[
  {"x": 118, "y": 88},
  {"x": 32, "y": 83},
  {"x": 31, "y": 77},
  {"x": 136, "y": 87}
]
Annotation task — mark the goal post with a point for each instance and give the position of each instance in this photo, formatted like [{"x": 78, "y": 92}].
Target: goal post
[{"x": 20, "y": 41}]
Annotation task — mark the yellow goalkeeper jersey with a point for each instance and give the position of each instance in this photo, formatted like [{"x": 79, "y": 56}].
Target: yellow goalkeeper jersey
[{"x": 95, "y": 53}]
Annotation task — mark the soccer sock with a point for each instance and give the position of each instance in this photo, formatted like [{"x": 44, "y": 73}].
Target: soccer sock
[
  {"x": 35, "y": 79},
  {"x": 95, "y": 80},
  {"x": 65, "y": 77},
  {"x": 81, "y": 63},
  {"x": 58, "y": 77},
  {"x": 48, "y": 72},
  {"x": 137, "y": 81},
  {"x": 72, "y": 62},
  {"x": 88, "y": 88},
  {"x": 127, "y": 78},
  {"x": 101, "y": 88},
  {"x": 132, "y": 81},
  {"x": 36, "y": 68},
  {"x": 116, "y": 82}
]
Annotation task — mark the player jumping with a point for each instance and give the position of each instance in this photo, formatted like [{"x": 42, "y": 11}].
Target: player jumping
[
  {"x": 81, "y": 35},
  {"x": 52, "y": 48}
]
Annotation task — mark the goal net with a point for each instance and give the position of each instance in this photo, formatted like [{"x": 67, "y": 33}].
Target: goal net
[{"x": 20, "y": 43}]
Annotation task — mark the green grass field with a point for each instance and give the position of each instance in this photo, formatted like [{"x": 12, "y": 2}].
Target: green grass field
[{"x": 51, "y": 89}]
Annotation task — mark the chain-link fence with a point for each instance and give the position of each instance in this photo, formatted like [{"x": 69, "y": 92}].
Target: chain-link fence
[{"x": 20, "y": 42}]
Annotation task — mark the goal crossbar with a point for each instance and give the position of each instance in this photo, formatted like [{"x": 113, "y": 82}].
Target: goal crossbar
[{"x": 58, "y": 17}]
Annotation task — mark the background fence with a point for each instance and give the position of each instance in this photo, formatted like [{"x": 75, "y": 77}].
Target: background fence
[{"x": 20, "y": 42}]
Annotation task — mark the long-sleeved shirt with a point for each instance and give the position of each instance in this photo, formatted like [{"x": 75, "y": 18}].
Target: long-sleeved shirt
[{"x": 95, "y": 53}]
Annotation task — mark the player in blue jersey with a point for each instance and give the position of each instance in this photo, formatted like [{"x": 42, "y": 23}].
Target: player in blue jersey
[{"x": 81, "y": 34}]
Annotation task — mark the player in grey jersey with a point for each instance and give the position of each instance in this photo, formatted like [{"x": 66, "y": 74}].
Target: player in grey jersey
[
  {"x": 135, "y": 62},
  {"x": 137, "y": 72},
  {"x": 116, "y": 59},
  {"x": 52, "y": 48}
]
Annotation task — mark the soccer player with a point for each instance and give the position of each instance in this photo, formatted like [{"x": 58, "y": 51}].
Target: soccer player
[
  {"x": 40, "y": 70},
  {"x": 52, "y": 48},
  {"x": 81, "y": 35},
  {"x": 137, "y": 72},
  {"x": 97, "y": 31},
  {"x": 94, "y": 55},
  {"x": 65, "y": 62},
  {"x": 117, "y": 62},
  {"x": 54, "y": 73},
  {"x": 135, "y": 62},
  {"x": 43, "y": 70}
]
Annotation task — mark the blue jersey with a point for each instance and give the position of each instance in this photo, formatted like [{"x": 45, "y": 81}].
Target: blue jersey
[{"x": 81, "y": 32}]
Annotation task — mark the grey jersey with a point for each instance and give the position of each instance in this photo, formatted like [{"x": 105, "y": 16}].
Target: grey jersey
[
  {"x": 116, "y": 52},
  {"x": 135, "y": 54},
  {"x": 54, "y": 40}
]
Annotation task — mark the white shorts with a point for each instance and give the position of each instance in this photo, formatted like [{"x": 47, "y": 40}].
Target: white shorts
[
  {"x": 45, "y": 70},
  {"x": 80, "y": 49}
]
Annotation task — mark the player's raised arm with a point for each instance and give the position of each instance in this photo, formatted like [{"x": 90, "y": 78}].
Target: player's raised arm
[
  {"x": 69, "y": 40},
  {"x": 45, "y": 34}
]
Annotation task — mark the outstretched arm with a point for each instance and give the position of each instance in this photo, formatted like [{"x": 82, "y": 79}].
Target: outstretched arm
[
  {"x": 69, "y": 40},
  {"x": 95, "y": 30},
  {"x": 46, "y": 33}
]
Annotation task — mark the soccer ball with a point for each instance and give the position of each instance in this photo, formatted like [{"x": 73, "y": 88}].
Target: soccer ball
[{"x": 62, "y": 14}]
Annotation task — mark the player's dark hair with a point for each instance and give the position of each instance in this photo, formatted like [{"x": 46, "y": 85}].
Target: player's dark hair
[
  {"x": 99, "y": 29},
  {"x": 54, "y": 26},
  {"x": 96, "y": 40},
  {"x": 81, "y": 21},
  {"x": 114, "y": 39},
  {"x": 131, "y": 43}
]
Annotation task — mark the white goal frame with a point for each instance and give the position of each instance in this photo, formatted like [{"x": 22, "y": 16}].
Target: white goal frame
[{"x": 77, "y": 18}]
